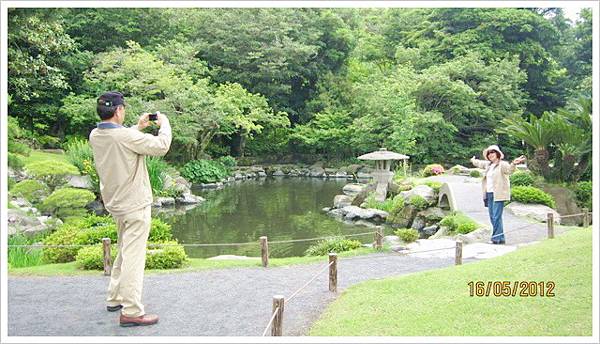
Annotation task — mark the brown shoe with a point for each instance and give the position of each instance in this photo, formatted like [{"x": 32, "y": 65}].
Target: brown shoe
[{"x": 144, "y": 320}]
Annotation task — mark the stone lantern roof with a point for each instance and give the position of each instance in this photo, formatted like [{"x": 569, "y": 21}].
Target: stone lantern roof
[{"x": 383, "y": 154}]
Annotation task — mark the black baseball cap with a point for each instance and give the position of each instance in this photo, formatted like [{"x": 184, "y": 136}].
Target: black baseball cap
[{"x": 112, "y": 98}]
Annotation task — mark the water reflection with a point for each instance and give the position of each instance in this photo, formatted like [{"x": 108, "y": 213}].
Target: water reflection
[{"x": 280, "y": 208}]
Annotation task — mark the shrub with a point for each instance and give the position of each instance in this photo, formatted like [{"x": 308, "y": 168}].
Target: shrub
[
  {"x": 90, "y": 170},
  {"x": 458, "y": 222},
  {"x": 333, "y": 244},
  {"x": 90, "y": 230},
  {"x": 32, "y": 190},
  {"x": 204, "y": 171},
  {"x": 157, "y": 168},
  {"x": 407, "y": 234},
  {"x": 418, "y": 202},
  {"x": 166, "y": 257},
  {"x": 434, "y": 185},
  {"x": 68, "y": 202},
  {"x": 228, "y": 161},
  {"x": 583, "y": 194},
  {"x": 78, "y": 151},
  {"x": 530, "y": 194},
  {"x": 11, "y": 183},
  {"x": 53, "y": 173},
  {"x": 67, "y": 234},
  {"x": 15, "y": 161},
  {"x": 521, "y": 178},
  {"x": 433, "y": 170},
  {"x": 475, "y": 174},
  {"x": 92, "y": 257}
]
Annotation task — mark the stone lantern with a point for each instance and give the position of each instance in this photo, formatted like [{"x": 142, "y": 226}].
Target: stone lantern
[{"x": 382, "y": 173}]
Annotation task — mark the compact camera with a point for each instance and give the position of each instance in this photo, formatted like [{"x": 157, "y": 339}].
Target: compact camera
[{"x": 153, "y": 116}]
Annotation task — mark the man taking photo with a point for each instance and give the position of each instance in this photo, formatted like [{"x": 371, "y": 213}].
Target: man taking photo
[{"x": 119, "y": 156}]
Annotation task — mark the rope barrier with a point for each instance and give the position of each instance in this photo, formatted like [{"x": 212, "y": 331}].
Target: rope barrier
[
  {"x": 270, "y": 321},
  {"x": 199, "y": 245},
  {"x": 307, "y": 283}
]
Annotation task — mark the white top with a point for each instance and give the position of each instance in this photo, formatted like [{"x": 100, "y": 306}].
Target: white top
[{"x": 489, "y": 180}]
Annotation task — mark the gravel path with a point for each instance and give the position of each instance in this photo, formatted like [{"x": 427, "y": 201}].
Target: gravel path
[{"x": 228, "y": 302}]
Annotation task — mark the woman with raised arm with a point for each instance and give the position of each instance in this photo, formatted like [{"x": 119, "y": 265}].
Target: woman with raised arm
[{"x": 496, "y": 186}]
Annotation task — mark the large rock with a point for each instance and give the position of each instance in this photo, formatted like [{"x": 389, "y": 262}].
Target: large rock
[
  {"x": 363, "y": 175},
  {"x": 538, "y": 212},
  {"x": 418, "y": 223},
  {"x": 406, "y": 216},
  {"x": 428, "y": 231},
  {"x": 80, "y": 182},
  {"x": 422, "y": 190},
  {"x": 278, "y": 173},
  {"x": 353, "y": 189},
  {"x": 20, "y": 202},
  {"x": 20, "y": 222},
  {"x": 441, "y": 232},
  {"x": 336, "y": 213},
  {"x": 482, "y": 234},
  {"x": 353, "y": 169},
  {"x": 353, "y": 212},
  {"x": 97, "y": 208},
  {"x": 18, "y": 218},
  {"x": 17, "y": 175},
  {"x": 340, "y": 174},
  {"x": 189, "y": 198},
  {"x": 391, "y": 239},
  {"x": 362, "y": 195},
  {"x": 163, "y": 201},
  {"x": 433, "y": 214},
  {"x": 459, "y": 170},
  {"x": 317, "y": 172},
  {"x": 340, "y": 201}
]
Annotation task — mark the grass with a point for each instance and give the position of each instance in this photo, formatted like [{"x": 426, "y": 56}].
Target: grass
[
  {"x": 37, "y": 155},
  {"x": 437, "y": 302},
  {"x": 195, "y": 264},
  {"x": 19, "y": 257}
]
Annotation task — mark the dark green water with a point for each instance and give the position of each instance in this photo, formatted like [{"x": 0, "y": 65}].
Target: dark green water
[{"x": 280, "y": 208}]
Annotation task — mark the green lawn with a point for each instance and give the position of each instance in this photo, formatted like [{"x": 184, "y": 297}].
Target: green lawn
[
  {"x": 195, "y": 264},
  {"x": 37, "y": 155},
  {"x": 437, "y": 302}
]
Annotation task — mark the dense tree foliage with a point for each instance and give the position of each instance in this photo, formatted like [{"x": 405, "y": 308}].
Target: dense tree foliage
[{"x": 436, "y": 84}]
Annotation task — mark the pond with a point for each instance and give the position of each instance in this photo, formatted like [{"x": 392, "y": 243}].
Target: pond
[{"x": 279, "y": 208}]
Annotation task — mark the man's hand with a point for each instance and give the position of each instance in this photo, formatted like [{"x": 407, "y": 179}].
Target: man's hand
[
  {"x": 519, "y": 160},
  {"x": 144, "y": 121},
  {"x": 161, "y": 118}
]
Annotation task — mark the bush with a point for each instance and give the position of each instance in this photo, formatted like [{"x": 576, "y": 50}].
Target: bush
[
  {"x": 228, "y": 161},
  {"x": 32, "y": 190},
  {"x": 67, "y": 234},
  {"x": 418, "y": 202},
  {"x": 90, "y": 230},
  {"x": 157, "y": 168},
  {"x": 436, "y": 186},
  {"x": 533, "y": 195},
  {"x": 68, "y": 202},
  {"x": 407, "y": 234},
  {"x": 433, "y": 170},
  {"x": 90, "y": 170},
  {"x": 583, "y": 194},
  {"x": 521, "y": 178},
  {"x": 10, "y": 183},
  {"x": 475, "y": 174},
  {"x": 333, "y": 244},
  {"x": 15, "y": 161},
  {"x": 458, "y": 222},
  {"x": 78, "y": 151},
  {"x": 166, "y": 257},
  {"x": 204, "y": 171},
  {"x": 92, "y": 257},
  {"x": 53, "y": 173}
]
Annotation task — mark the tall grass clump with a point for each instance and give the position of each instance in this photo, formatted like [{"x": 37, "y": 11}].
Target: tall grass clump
[
  {"x": 20, "y": 257},
  {"x": 77, "y": 152},
  {"x": 157, "y": 170}
]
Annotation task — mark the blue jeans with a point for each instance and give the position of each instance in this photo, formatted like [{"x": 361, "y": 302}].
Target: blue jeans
[{"x": 495, "y": 209}]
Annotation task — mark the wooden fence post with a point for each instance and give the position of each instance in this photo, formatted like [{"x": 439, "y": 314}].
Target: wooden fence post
[
  {"x": 379, "y": 238},
  {"x": 264, "y": 251},
  {"x": 550, "y": 222},
  {"x": 458, "y": 253},
  {"x": 277, "y": 327},
  {"x": 586, "y": 217},
  {"x": 107, "y": 259},
  {"x": 333, "y": 272}
]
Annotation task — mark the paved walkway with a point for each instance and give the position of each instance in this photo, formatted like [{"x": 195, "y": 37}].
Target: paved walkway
[{"x": 229, "y": 302}]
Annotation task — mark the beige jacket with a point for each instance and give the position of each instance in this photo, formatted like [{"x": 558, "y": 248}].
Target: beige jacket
[
  {"x": 500, "y": 177},
  {"x": 119, "y": 158}
]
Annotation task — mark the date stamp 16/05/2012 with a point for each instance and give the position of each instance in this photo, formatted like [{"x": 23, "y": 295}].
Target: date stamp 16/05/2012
[{"x": 512, "y": 288}]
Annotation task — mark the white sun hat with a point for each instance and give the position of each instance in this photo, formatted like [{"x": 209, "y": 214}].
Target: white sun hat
[{"x": 495, "y": 148}]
